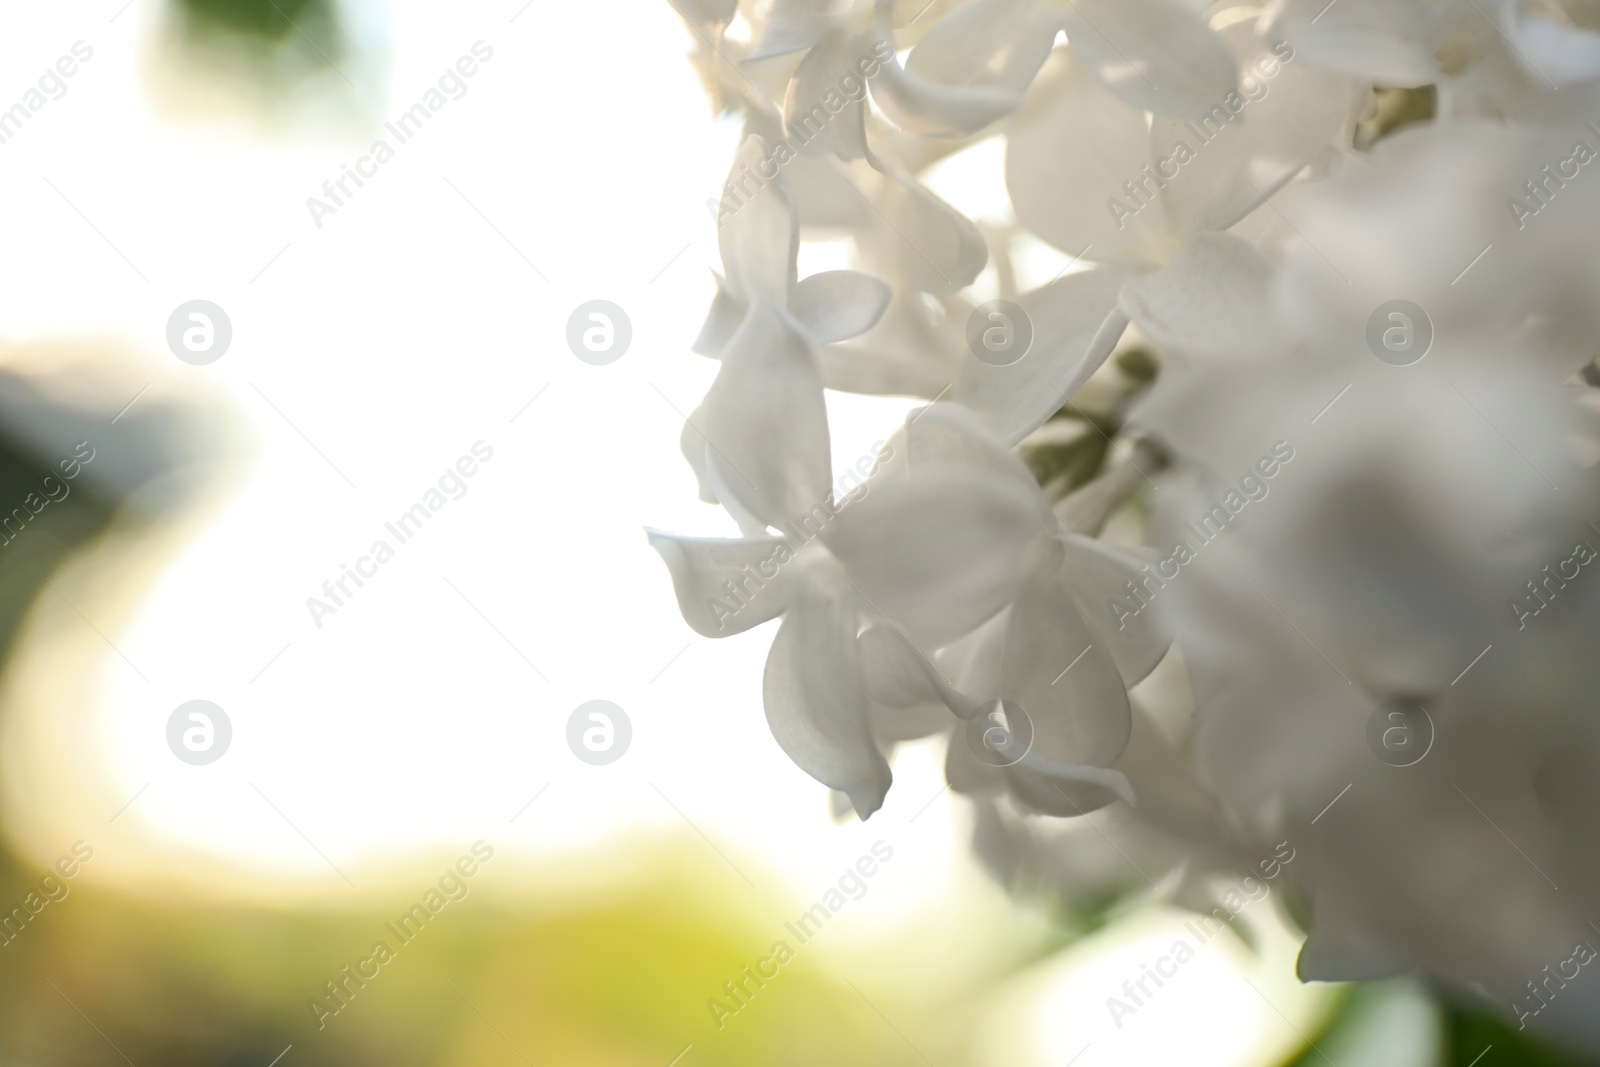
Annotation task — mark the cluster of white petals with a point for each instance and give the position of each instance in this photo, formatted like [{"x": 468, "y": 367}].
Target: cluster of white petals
[{"x": 1279, "y": 530}]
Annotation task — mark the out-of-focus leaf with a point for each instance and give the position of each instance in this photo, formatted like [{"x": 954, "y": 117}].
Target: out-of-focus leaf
[{"x": 271, "y": 19}]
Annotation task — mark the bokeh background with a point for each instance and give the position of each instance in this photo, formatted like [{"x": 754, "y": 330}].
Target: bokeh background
[{"x": 425, "y": 720}]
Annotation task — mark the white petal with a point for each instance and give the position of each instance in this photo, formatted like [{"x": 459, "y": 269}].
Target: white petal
[
  {"x": 837, "y": 305},
  {"x": 794, "y": 26},
  {"x": 1171, "y": 794},
  {"x": 702, "y": 567},
  {"x": 1076, "y": 323},
  {"x": 939, "y": 552},
  {"x": 940, "y": 250},
  {"x": 899, "y": 676},
  {"x": 967, "y": 774},
  {"x": 1096, "y": 574},
  {"x": 823, "y": 191},
  {"x": 727, "y": 311},
  {"x": 929, "y": 109},
  {"x": 1060, "y": 671},
  {"x": 824, "y": 108},
  {"x": 1212, "y": 300},
  {"x": 892, "y": 726},
  {"x": 1567, "y": 55},
  {"x": 894, "y": 672},
  {"x": 759, "y": 236},
  {"x": 1435, "y": 197},
  {"x": 693, "y": 444},
  {"x": 813, "y": 174},
  {"x": 988, "y": 42},
  {"x": 1392, "y": 42},
  {"x": 1067, "y": 156},
  {"x": 954, "y": 434},
  {"x": 904, "y": 703},
  {"x": 814, "y": 700},
  {"x": 765, "y": 424},
  {"x": 707, "y": 13},
  {"x": 1067, "y": 789},
  {"x": 906, "y": 354},
  {"x": 1155, "y": 54},
  {"x": 1253, "y": 143}
]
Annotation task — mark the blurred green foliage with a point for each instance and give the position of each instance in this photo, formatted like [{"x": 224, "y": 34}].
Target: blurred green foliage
[
  {"x": 270, "y": 19},
  {"x": 1469, "y": 1031},
  {"x": 1062, "y": 466},
  {"x": 34, "y": 551},
  {"x": 1469, "y": 1035},
  {"x": 622, "y": 980},
  {"x": 274, "y": 44}
]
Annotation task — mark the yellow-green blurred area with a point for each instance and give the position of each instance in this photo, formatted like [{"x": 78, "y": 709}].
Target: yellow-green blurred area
[
  {"x": 622, "y": 980},
  {"x": 501, "y": 977}
]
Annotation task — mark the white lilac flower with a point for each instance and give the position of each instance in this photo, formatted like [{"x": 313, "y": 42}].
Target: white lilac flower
[
  {"x": 759, "y": 238},
  {"x": 1473, "y": 222},
  {"x": 1333, "y": 532},
  {"x": 967, "y": 72},
  {"x": 972, "y": 66},
  {"x": 1393, "y": 42},
  {"x": 1427, "y": 545},
  {"x": 1146, "y": 199},
  {"x": 952, "y": 536},
  {"x": 816, "y": 705},
  {"x": 1100, "y": 179},
  {"x": 1421, "y": 42}
]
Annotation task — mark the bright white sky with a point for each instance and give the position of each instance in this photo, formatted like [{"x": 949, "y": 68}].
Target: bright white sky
[{"x": 414, "y": 323}]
